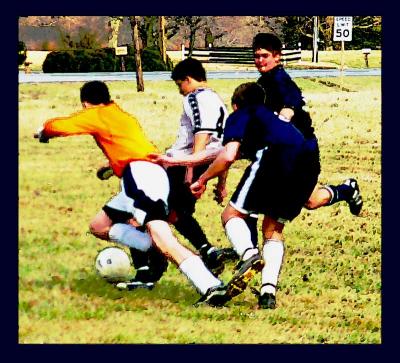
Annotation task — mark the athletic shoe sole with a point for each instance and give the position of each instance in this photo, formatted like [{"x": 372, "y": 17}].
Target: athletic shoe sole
[
  {"x": 240, "y": 280},
  {"x": 129, "y": 286}
]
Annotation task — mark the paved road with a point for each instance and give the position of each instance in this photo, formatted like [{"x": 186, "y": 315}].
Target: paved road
[{"x": 36, "y": 77}]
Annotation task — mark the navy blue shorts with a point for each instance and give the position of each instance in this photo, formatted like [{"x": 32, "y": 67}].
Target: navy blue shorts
[{"x": 277, "y": 183}]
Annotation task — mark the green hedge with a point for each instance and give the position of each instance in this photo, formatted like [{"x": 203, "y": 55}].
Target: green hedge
[
  {"x": 21, "y": 53},
  {"x": 102, "y": 60}
]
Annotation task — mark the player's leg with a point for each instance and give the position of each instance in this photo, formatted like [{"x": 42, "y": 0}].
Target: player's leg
[
  {"x": 239, "y": 235},
  {"x": 148, "y": 186},
  {"x": 110, "y": 224},
  {"x": 114, "y": 223},
  {"x": 326, "y": 195},
  {"x": 251, "y": 222},
  {"x": 182, "y": 202},
  {"x": 273, "y": 253}
]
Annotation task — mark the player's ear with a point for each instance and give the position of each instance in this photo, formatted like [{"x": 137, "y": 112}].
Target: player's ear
[{"x": 277, "y": 57}]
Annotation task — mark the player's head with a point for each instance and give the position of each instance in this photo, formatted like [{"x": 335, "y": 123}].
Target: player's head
[
  {"x": 267, "y": 41},
  {"x": 248, "y": 94},
  {"x": 189, "y": 67},
  {"x": 188, "y": 75},
  {"x": 267, "y": 50},
  {"x": 95, "y": 93}
]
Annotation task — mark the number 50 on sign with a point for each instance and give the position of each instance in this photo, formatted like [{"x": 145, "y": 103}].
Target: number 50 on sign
[{"x": 343, "y": 27}]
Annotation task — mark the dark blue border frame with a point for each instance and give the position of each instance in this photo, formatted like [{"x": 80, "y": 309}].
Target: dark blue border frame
[{"x": 203, "y": 353}]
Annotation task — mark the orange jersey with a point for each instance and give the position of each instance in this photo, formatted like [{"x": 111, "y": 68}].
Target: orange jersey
[{"x": 117, "y": 133}]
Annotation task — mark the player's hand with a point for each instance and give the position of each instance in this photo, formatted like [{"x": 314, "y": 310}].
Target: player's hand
[
  {"x": 105, "y": 172},
  {"x": 220, "y": 193},
  {"x": 39, "y": 135},
  {"x": 197, "y": 189}
]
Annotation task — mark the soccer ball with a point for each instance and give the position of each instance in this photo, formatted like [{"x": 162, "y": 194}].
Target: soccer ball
[{"x": 113, "y": 264}]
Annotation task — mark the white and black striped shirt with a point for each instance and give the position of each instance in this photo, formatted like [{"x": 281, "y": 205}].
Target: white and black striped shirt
[{"x": 203, "y": 112}]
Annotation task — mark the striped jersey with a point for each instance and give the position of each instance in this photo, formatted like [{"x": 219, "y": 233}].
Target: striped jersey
[{"x": 203, "y": 112}]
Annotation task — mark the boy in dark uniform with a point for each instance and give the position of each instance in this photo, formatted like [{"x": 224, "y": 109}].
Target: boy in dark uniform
[
  {"x": 282, "y": 175},
  {"x": 284, "y": 97}
]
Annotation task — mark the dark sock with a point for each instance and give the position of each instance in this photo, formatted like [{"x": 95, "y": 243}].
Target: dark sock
[
  {"x": 158, "y": 264},
  {"x": 139, "y": 258},
  {"x": 340, "y": 192},
  {"x": 189, "y": 228},
  {"x": 252, "y": 224}
]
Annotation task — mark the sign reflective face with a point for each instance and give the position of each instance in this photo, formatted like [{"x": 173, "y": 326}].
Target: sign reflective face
[
  {"x": 121, "y": 50},
  {"x": 342, "y": 29}
]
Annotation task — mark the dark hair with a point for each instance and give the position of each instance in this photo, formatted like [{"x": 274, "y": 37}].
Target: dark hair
[
  {"x": 248, "y": 94},
  {"x": 267, "y": 41},
  {"x": 95, "y": 92},
  {"x": 189, "y": 67}
]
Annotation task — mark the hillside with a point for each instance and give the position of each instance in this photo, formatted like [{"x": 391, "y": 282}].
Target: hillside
[{"x": 51, "y": 33}]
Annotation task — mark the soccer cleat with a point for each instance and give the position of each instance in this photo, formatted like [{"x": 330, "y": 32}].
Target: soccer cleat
[
  {"x": 135, "y": 284},
  {"x": 144, "y": 279},
  {"x": 215, "y": 296},
  {"x": 245, "y": 273},
  {"x": 267, "y": 301},
  {"x": 220, "y": 295},
  {"x": 230, "y": 254},
  {"x": 213, "y": 258},
  {"x": 355, "y": 201}
]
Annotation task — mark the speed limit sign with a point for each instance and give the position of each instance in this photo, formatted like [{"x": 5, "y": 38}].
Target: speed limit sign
[{"x": 343, "y": 27}]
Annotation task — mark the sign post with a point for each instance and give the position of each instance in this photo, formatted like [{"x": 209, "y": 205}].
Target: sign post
[
  {"x": 122, "y": 51},
  {"x": 343, "y": 31}
]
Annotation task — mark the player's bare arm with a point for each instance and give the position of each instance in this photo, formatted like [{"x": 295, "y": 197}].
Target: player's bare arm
[{"x": 220, "y": 165}]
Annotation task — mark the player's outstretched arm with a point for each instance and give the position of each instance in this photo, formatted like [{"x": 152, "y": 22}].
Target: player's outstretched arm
[
  {"x": 219, "y": 166},
  {"x": 199, "y": 158}
]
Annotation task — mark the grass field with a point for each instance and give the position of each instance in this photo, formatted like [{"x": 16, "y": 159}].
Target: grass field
[{"x": 330, "y": 284}]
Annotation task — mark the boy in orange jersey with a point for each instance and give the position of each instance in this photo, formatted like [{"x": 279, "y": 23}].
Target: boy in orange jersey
[{"x": 144, "y": 186}]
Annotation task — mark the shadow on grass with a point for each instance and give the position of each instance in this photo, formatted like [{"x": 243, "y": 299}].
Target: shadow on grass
[{"x": 165, "y": 289}]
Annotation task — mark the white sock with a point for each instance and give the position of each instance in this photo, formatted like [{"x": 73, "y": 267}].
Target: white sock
[
  {"x": 239, "y": 235},
  {"x": 198, "y": 274},
  {"x": 128, "y": 235},
  {"x": 273, "y": 252}
]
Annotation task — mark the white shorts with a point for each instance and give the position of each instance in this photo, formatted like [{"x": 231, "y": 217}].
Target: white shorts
[{"x": 144, "y": 192}]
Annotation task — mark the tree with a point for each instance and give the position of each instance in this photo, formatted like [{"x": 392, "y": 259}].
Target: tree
[
  {"x": 366, "y": 32},
  {"x": 134, "y": 21},
  {"x": 191, "y": 24},
  {"x": 115, "y": 24},
  {"x": 161, "y": 38}
]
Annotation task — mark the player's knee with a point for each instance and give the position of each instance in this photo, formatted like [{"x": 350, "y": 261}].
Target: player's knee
[
  {"x": 98, "y": 230},
  {"x": 318, "y": 198},
  {"x": 93, "y": 228},
  {"x": 311, "y": 204}
]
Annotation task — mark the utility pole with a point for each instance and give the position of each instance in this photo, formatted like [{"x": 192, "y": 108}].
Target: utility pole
[
  {"x": 315, "y": 40},
  {"x": 138, "y": 60}
]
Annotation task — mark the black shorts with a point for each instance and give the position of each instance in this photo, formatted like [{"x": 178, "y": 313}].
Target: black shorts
[
  {"x": 278, "y": 185},
  {"x": 181, "y": 199}
]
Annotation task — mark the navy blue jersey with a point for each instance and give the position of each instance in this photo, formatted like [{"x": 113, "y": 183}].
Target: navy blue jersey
[
  {"x": 282, "y": 92},
  {"x": 256, "y": 127},
  {"x": 284, "y": 168}
]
